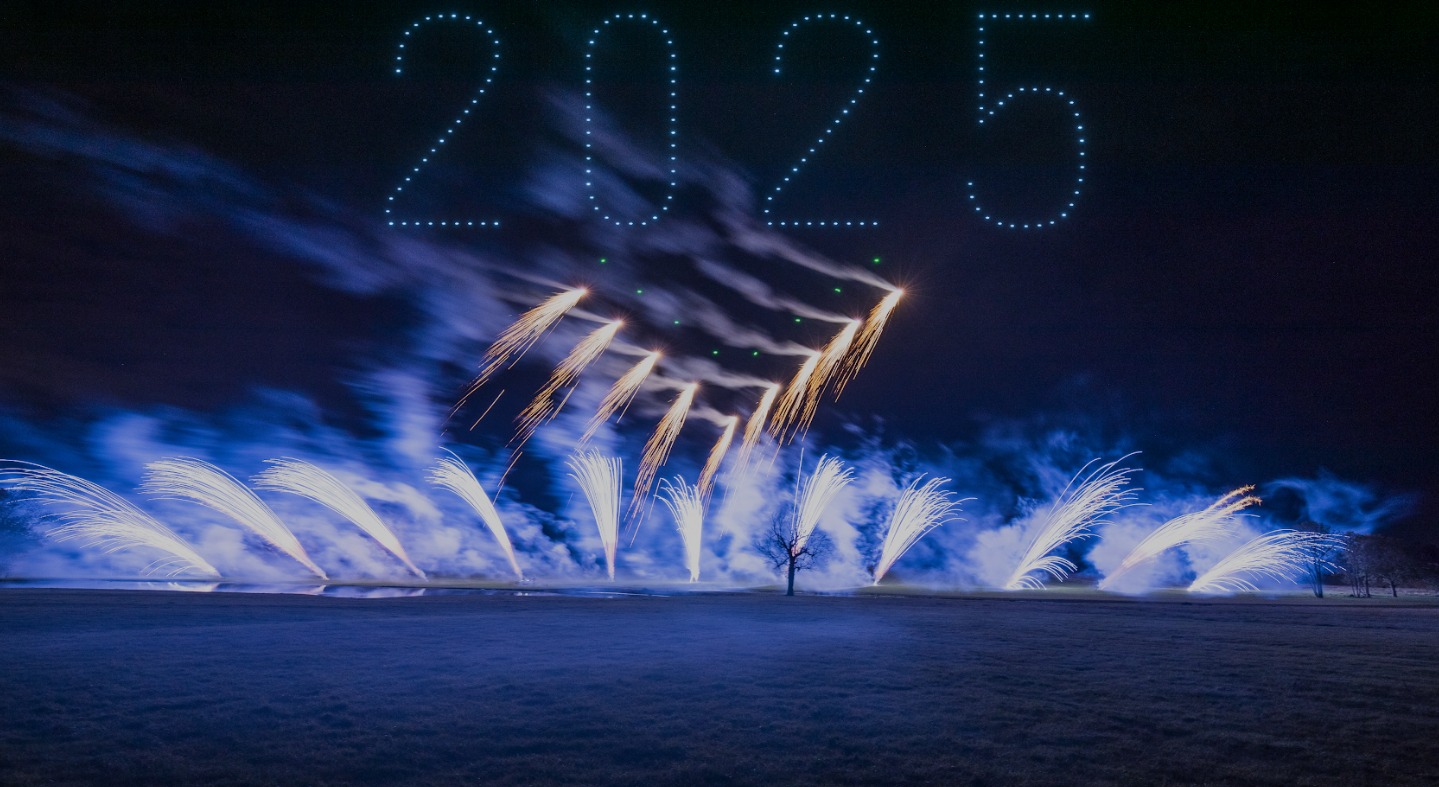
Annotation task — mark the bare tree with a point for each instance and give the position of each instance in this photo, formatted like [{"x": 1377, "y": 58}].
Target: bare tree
[
  {"x": 1320, "y": 554},
  {"x": 783, "y": 544},
  {"x": 1358, "y": 563}
]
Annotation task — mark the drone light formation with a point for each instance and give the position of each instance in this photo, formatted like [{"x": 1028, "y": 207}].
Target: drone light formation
[
  {"x": 599, "y": 480},
  {"x": 716, "y": 458},
  {"x": 521, "y": 335},
  {"x": 815, "y": 494},
  {"x": 865, "y": 343},
  {"x": 657, "y": 448},
  {"x": 687, "y": 505},
  {"x": 1073, "y": 515},
  {"x": 99, "y": 518},
  {"x": 1283, "y": 555},
  {"x": 453, "y": 474},
  {"x": 621, "y": 394},
  {"x": 1214, "y": 523},
  {"x": 544, "y": 407},
  {"x": 920, "y": 509},
  {"x": 185, "y": 478},
  {"x": 318, "y": 485}
]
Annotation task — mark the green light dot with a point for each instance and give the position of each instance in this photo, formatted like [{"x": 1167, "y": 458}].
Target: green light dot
[
  {"x": 714, "y": 352},
  {"x": 755, "y": 353},
  {"x": 604, "y": 260},
  {"x": 639, "y": 292},
  {"x": 798, "y": 320},
  {"x": 677, "y": 322},
  {"x": 876, "y": 260},
  {"x": 836, "y": 289}
]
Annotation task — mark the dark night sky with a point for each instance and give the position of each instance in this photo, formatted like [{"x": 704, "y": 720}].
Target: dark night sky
[{"x": 1251, "y": 264}]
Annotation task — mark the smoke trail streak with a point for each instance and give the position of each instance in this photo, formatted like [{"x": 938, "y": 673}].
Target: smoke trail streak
[
  {"x": 318, "y": 485},
  {"x": 517, "y": 339},
  {"x": 743, "y": 232},
  {"x": 686, "y": 503},
  {"x": 1283, "y": 555},
  {"x": 657, "y": 448},
  {"x": 97, "y": 517},
  {"x": 186, "y": 478},
  {"x": 716, "y": 458},
  {"x": 599, "y": 480},
  {"x": 620, "y": 394},
  {"x": 451, "y": 473},
  {"x": 865, "y": 343},
  {"x": 760, "y": 294},
  {"x": 919, "y": 510},
  {"x": 1212, "y": 524},
  {"x": 544, "y": 407},
  {"x": 1076, "y": 512},
  {"x": 817, "y": 492},
  {"x": 754, "y": 427}
]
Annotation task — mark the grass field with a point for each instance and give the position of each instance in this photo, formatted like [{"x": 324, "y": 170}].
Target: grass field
[{"x": 154, "y": 688}]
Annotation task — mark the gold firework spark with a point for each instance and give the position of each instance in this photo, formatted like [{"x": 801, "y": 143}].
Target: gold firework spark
[
  {"x": 791, "y": 404},
  {"x": 621, "y": 393},
  {"x": 754, "y": 427},
  {"x": 517, "y": 339},
  {"x": 544, "y": 407},
  {"x": 657, "y": 448},
  {"x": 800, "y": 401},
  {"x": 716, "y": 457},
  {"x": 864, "y": 344}
]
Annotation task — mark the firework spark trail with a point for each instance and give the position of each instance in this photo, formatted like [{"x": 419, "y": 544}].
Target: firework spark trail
[
  {"x": 864, "y": 344},
  {"x": 716, "y": 458},
  {"x": 318, "y": 485},
  {"x": 830, "y": 360},
  {"x": 791, "y": 404},
  {"x": 687, "y": 505},
  {"x": 544, "y": 407},
  {"x": 621, "y": 394},
  {"x": 657, "y": 449},
  {"x": 800, "y": 402},
  {"x": 1074, "y": 514},
  {"x": 754, "y": 427},
  {"x": 815, "y": 495},
  {"x": 919, "y": 510},
  {"x": 97, "y": 517},
  {"x": 599, "y": 480},
  {"x": 453, "y": 474},
  {"x": 1212, "y": 524},
  {"x": 1283, "y": 555},
  {"x": 186, "y": 478},
  {"x": 517, "y": 339}
]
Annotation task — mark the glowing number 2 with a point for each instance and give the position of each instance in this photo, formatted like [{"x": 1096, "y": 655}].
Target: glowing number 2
[
  {"x": 828, "y": 129},
  {"x": 1022, "y": 92},
  {"x": 671, "y": 133},
  {"x": 449, "y": 132}
]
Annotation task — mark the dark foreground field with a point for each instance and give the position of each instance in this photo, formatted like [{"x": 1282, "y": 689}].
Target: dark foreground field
[{"x": 119, "y": 688}]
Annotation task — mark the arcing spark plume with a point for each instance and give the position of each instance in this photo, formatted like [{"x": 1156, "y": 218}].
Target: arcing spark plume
[
  {"x": 318, "y": 485},
  {"x": 919, "y": 510},
  {"x": 687, "y": 505},
  {"x": 184, "y": 478},
  {"x": 544, "y": 407},
  {"x": 621, "y": 393},
  {"x": 1283, "y": 555},
  {"x": 97, "y": 517},
  {"x": 1077, "y": 511},
  {"x": 864, "y": 344},
  {"x": 517, "y": 339},
  {"x": 716, "y": 458},
  {"x": 657, "y": 449},
  {"x": 1211, "y": 524},
  {"x": 754, "y": 427},
  {"x": 599, "y": 480},
  {"x": 453, "y": 474},
  {"x": 815, "y": 495},
  {"x": 791, "y": 405},
  {"x": 800, "y": 402}
]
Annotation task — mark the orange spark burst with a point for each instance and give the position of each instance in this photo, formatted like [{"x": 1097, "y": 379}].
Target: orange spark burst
[
  {"x": 517, "y": 339},
  {"x": 621, "y": 393},
  {"x": 712, "y": 464},
  {"x": 544, "y": 407}
]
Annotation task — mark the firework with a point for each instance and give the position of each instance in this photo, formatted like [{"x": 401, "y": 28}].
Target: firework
[
  {"x": 318, "y": 485},
  {"x": 864, "y": 344},
  {"x": 97, "y": 517},
  {"x": 815, "y": 495},
  {"x": 1212, "y": 524},
  {"x": 1283, "y": 555},
  {"x": 919, "y": 510},
  {"x": 1074, "y": 514},
  {"x": 687, "y": 505},
  {"x": 453, "y": 474},
  {"x": 599, "y": 480},
  {"x": 544, "y": 407},
  {"x": 621, "y": 393},
  {"x": 800, "y": 402},
  {"x": 790, "y": 407},
  {"x": 657, "y": 449},
  {"x": 185, "y": 478},
  {"x": 517, "y": 339},
  {"x": 754, "y": 427},
  {"x": 716, "y": 457}
]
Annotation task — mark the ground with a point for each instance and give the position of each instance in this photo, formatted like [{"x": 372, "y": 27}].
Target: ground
[{"x": 157, "y": 688}]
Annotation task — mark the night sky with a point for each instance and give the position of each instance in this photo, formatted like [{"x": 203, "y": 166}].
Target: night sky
[{"x": 1248, "y": 272}]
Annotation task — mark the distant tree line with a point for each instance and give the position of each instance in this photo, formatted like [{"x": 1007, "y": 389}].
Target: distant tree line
[{"x": 1371, "y": 562}]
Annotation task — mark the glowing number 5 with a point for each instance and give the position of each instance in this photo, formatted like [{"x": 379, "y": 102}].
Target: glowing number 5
[{"x": 986, "y": 112}]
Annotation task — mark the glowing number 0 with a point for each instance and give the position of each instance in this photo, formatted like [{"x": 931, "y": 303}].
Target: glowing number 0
[
  {"x": 671, "y": 133},
  {"x": 449, "y": 132},
  {"x": 829, "y": 129},
  {"x": 1049, "y": 92}
]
